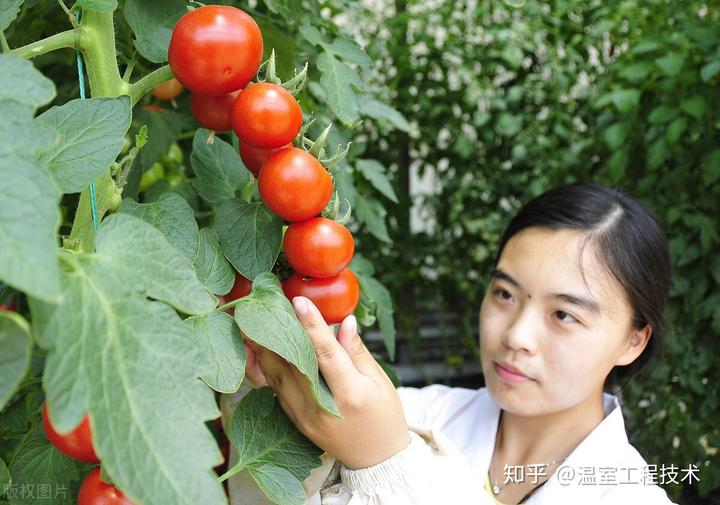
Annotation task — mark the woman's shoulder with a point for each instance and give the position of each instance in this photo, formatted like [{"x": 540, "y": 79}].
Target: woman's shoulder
[{"x": 431, "y": 405}]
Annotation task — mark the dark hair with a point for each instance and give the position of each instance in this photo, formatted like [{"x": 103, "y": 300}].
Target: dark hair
[{"x": 629, "y": 240}]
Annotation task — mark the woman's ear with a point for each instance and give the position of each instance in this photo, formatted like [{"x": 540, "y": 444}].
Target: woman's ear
[{"x": 636, "y": 344}]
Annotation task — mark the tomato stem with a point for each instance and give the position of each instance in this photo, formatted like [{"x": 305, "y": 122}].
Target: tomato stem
[
  {"x": 147, "y": 83},
  {"x": 68, "y": 38}
]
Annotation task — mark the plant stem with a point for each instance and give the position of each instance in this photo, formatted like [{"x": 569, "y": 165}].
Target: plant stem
[
  {"x": 139, "y": 88},
  {"x": 3, "y": 40},
  {"x": 68, "y": 38}
]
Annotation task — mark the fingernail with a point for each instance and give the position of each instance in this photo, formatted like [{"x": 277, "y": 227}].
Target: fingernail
[
  {"x": 353, "y": 325},
  {"x": 301, "y": 306}
]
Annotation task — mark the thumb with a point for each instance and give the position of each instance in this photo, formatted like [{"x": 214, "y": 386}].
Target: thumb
[{"x": 350, "y": 340}]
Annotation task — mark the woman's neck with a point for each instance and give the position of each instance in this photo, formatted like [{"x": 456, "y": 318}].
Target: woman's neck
[{"x": 542, "y": 439}]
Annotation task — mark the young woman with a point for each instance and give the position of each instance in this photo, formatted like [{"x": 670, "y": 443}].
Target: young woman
[{"x": 576, "y": 299}]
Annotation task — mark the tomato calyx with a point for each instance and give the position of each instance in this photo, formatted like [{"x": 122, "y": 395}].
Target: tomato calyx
[{"x": 294, "y": 85}]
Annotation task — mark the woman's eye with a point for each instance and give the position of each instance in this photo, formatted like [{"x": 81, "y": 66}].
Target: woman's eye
[
  {"x": 565, "y": 317},
  {"x": 503, "y": 293}
]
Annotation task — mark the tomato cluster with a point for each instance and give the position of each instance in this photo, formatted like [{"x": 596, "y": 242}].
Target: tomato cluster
[
  {"x": 215, "y": 51},
  {"x": 78, "y": 444}
]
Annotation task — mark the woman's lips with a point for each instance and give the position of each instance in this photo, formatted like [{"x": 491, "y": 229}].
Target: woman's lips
[{"x": 510, "y": 374}]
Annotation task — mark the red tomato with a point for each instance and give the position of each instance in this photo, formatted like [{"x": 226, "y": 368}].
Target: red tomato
[
  {"x": 318, "y": 247},
  {"x": 254, "y": 157},
  {"x": 266, "y": 115},
  {"x": 9, "y": 308},
  {"x": 213, "y": 112},
  {"x": 77, "y": 444},
  {"x": 335, "y": 297},
  {"x": 153, "y": 107},
  {"x": 241, "y": 288},
  {"x": 94, "y": 491},
  {"x": 225, "y": 450},
  {"x": 168, "y": 90},
  {"x": 294, "y": 184},
  {"x": 215, "y": 49}
]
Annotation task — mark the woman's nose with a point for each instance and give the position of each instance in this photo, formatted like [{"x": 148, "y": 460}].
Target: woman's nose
[{"x": 523, "y": 331}]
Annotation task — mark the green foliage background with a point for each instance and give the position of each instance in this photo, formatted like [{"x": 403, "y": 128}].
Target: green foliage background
[{"x": 506, "y": 102}]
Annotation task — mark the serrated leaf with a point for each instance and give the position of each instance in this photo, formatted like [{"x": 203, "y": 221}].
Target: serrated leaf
[
  {"x": 173, "y": 217},
  {"x": 127, "y": 361},
  {"x": 37, "y": 462},
  {"x": 8, "y": 12},
  {"x": 224, "y": 348},
  {"x": 271, "y": 448},
  {"x": 266, "y": 316},
  {"x": 250, "y": 236},
  {"x": 220, "y": 171},
  {"x": 91, "y": 135},
  {"x": 311, "y": 34},
  {"x": 348, "y": 50},
  {"x": 374, "y": 172},
  {"x": 211, "y": 266},
  {"x": 152, "y": 24},
  {"x": 141, "y": 255},
  {"x": 383, "y": 310},
  {"x": 378, "y": 110},
  {"x": 340, "y": 83},
  {"x": 372, "y": 213},
  {"x": 671, "y": 64},
  {"x": 99, "y": 5},
  {"x": 16, "y": 346},
  {"x": 29, "y": 214}
]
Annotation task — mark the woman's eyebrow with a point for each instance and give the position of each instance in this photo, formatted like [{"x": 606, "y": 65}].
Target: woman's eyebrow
[{"x": 566, "y": 297}]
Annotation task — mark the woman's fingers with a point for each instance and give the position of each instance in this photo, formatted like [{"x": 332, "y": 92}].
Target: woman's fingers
[
  {"x": 334, "y": 363},
  {"x": 350, "y": 340},
  {"x": 252, "y": 367}
]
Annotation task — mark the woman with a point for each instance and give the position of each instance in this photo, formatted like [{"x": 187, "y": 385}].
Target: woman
[{"x": 576, "y": 300}]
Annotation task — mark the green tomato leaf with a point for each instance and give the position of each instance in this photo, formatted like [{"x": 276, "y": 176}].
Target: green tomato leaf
[
  {"x": 339, "y": 82},
  {"x": 173, "y": 216},
  {"x": 16, "y": 343},
  {"x": 152, "y": 24},
  {"x": 384, "y": 311},
  {"x": 40, "y": 473},
  {"x": 92, "y": 133},
  {"x": 163, "y": 129},
  {"x": 220, "y": 171},
  {"x": 211, "y": 266},
  {"x": 348, "y": 50},
  {"x": 224, "y": 348},
  {"x": 126, "y": 360},
  {"x": 374, "y": 172},
  {"x": 99, "y": 5},
  {"x": 344, "y": 184},
  {"x": 378, "y": 110},
  {"x": 266, "y": 316},
  {"x": 250, "y": 236},
  {"x": 372, "y": 213},
  {"x": 270, "y": 447},
  {"x": 28, "y": 225},
  {"x": 281, "y": 42},
  {"x": 141, "y": 255},
  {"x": 312, "y": 35},
  {"x": 8, "y": 12}
]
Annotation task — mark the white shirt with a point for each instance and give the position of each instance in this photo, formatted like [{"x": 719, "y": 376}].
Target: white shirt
[{"x": 453, "y": 437}]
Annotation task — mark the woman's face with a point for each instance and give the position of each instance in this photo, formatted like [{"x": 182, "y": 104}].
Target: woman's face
[{"x": 561, "y": 333}]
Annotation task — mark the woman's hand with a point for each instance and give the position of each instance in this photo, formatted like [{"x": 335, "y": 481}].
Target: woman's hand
[{"x": 373, "y": 426}]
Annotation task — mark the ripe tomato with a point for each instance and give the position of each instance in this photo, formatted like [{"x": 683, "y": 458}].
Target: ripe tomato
[
  {"x": 241, "y": 288},
  {"x": 294, "y": 184},
  {"x": 12, "y": 307},
  {"x": 254, "y": 157},
  {"x": 335, "y": 297},
  {"x": 266, "y": 115},
  {"x": 318, "y": 247},
  {"x": 215, "y": 49},
  {"x": 94, "y": 491},
  {"x": 213, "y": 112},
  {"x": 154, "y": 108},
  {"x": 77, "y": 444},
  {"x": 168, "y": 90}
]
